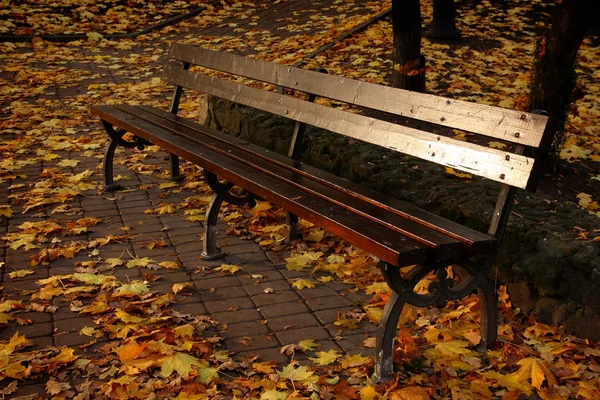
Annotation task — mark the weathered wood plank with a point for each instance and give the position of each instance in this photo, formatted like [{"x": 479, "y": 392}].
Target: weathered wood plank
[
  {"x": 490, "y": 163},
  {"x": 510, "y": 125},
  {"x": 368, "y": 235}
]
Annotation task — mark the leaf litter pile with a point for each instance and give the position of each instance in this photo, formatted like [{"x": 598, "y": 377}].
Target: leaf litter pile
[
  {"x": 42, "y": 17},
  {"x": 135, "y": 343}
]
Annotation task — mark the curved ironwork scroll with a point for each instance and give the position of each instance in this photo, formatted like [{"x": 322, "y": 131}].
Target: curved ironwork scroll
[
  {"x": 116, "y": 139},
  {"x": 222, "y": 193},
  {"x": 438, "y": 293}
]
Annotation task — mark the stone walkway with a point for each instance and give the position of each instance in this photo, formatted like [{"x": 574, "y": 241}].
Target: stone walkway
[{"x": 261, "y": 309}]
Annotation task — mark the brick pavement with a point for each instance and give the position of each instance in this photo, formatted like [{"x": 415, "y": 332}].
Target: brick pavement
[{"x": 259, "y": 308}]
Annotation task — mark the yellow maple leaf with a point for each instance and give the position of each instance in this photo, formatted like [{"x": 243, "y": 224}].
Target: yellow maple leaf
[
  {"x": 133, "y": 288},
  {"x": 140, "y": 262},
  {"x": 314, "y": 236},
  {"x": 497, "y": 145},
  {"x": 68, "y": 163},
  {"x": 88, "y": 331},
  {"x": 20, "y": 273},
  {"x": 354, "y": 361},
  {"x": 179, "y": 362},
  {"x": 462, "y": 175},
  {"x": 303, "y": 283},
  {"x": 168, "y": 185},
  {"x": 229, "y": 268},
  {"x": 368, "y": 393},
  {"x": 6, "y": 211},
  {"x": 294, "y": 373},
  {"x": 509, "y": 381},
  {"x": 452, "y": 348},
  {"x": 325, "y": 357},
  {"x": 169, "y": 264},
  {"x": 536, "y": 370},
  {"x": 308, "y": 345}
]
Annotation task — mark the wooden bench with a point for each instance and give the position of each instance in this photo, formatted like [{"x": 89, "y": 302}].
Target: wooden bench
[{"x": 399, "y": 234}]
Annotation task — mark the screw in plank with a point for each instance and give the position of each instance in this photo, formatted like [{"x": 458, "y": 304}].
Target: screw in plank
[
  {"x": 517, "y": 135},
  {"x": 448, "y": 102},
  {"x": 443, "y": 119},
  {"x": 507, "y": 157},
  {"x": 523, "y": 117},
  {"x": 502, "y": 176},
  {"x": 433, "y": 154}
]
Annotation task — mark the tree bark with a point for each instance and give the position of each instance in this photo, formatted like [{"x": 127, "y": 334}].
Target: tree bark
[
  {"x": 554, "y": 76},
  {"x": 409, "y": 65},
  {"x": 443, "y": 25}
]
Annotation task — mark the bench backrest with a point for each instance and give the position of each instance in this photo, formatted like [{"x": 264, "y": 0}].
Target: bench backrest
[
  {"x": 521, "y": 128},
  {"x": 514, "y": 169}
]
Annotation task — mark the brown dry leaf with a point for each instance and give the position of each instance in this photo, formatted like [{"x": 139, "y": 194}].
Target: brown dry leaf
[{"x": 410, "y": 393}]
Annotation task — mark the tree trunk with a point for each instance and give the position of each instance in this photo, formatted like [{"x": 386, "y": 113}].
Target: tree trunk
[
  {"x": 443, "y": 25},
  {"x": 409, "y": 65},
  {"x": 554, "y": 76}
]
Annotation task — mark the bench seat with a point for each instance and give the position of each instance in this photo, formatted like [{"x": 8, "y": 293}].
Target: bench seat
[{"x": 398, "y": 233}]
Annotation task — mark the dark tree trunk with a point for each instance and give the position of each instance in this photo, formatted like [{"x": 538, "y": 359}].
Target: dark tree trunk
[
  {"x": 409, "y": 65},
  {"x": 443, "y": 25},
  {"x": 554, "y": 76}
]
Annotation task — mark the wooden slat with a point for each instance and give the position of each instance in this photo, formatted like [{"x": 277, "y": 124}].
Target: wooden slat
[
  {"x": 490, "y": 163},
  {"x": 477, "y": 243},
  {"x": 445, "y": 246},
  {"x": 368, "y": 235},
  {"x": 477, "y": 118}
]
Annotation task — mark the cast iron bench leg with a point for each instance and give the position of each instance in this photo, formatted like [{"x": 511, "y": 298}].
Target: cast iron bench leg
[
  {"x": 221, "y": 189},
  {"x": 292, "y": 227},
  {"x": 210, "y": 250},
  {"x": 175, "y": 174},
  {"x": 440, "y": 291},
  {"x": 116, "y": 139}
]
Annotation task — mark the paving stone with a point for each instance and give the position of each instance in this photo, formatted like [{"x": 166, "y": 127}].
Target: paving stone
[
  {"x": 292, "y": 322},
  {"x": 40, "y": 343},
  {"x": 189, "y": 308},
  {"x": 224, "y": 305},
  {"x": 264, "y": 355},
  {"x": 275, "y": 286},
  {"x": 355, "y": 344},
  {"x": 329, "y": 316},
  {"x": 248, "y": 328},
  {"x": 323, "y": 303},
  {"x": 223, "y": 293},
  {"x": 295, "y": 274},
  {"x": 261, "y": 277},
  {"x": 232, "y": 317},
  {"x": 72, "y": 339},
  {"x": 73, "y": 324},
  {"x": 244, "y": 258},
  {"x": 174, "y": 277},
  {"x": 36, "y": 317},
  {"x": 339, "y": 286},
  {"x": 279, "y": 310},
  {"x": 205, "y": 282},
  {"x": 274, "y": 298},
  {"x": 259, "y": 268},
  {"x": 29, "y": 331},
  {"x": 319, "y": 291},
  {"x": 251, "y": 344},
  {"x": 296, "y": 335}
]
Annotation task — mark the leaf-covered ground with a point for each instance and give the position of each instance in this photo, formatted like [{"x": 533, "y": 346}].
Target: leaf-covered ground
[
  {"x": 42, "y": 17},
  {"x": 116, "y": 271}
]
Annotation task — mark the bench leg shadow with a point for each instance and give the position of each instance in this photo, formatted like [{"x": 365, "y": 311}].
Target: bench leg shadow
[{"x": 439, "y": 292}]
